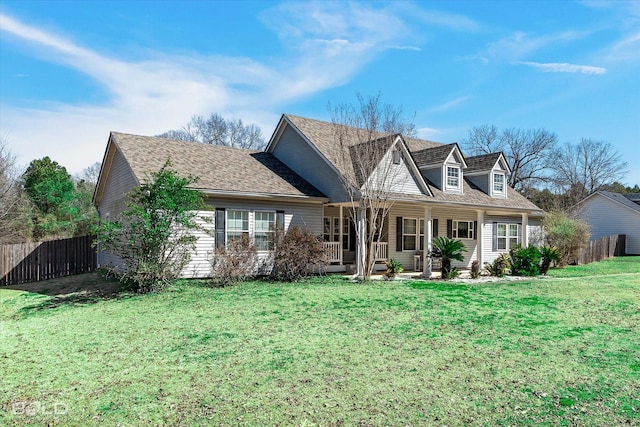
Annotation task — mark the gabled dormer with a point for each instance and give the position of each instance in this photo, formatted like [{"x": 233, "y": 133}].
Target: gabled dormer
[
  {"x": 443, "y": 166},
  {"x": 386, "y": 164},
  {"x": 489, "y": 172}
]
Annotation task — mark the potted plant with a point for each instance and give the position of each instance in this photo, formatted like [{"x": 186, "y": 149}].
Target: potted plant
[{"x": 394, "y": 267}]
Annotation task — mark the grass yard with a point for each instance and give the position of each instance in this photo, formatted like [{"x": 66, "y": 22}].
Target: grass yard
[{"x": 553, "y": 351}]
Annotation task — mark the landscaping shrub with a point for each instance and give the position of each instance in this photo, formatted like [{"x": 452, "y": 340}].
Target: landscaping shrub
[
  {"x": 525, "y": 261},
  {"x": 394, "y": 267},
  {"x": 549, "y": 254},
  {"x": 236, "y": 261},
  {"x": 449, "y": 250},
  {"x": 154, "y": 236},
  {"x": 475, "y": 269},
  {"x": 567, "y": 235},
  {"x": 297, "y": 253},
  {"x": 500, "y": 266}
]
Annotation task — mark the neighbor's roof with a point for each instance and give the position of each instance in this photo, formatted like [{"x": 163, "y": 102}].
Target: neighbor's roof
[
  {"x": 321, "y": 135},
  {"x": 219, "y": 169},
  {"x": 619, "y": 198}
]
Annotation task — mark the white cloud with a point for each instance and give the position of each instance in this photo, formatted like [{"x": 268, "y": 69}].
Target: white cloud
[
  {"x": 450, "y": 104},
  {"x": 428, "y": 133},
  {"x": 563, "y": 67},
  {"x": 520, "y": 44},
  {"x": 325, "y": 46}
]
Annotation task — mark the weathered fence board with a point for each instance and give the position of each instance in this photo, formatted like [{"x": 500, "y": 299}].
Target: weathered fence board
[
  {"x": 604, "y": 247},
  {"x": 35, "y": 261}
]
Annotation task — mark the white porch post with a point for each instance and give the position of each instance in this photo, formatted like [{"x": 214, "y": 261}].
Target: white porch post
[
  {"x": 340, "y": 253},
  {"x": 525, "y": 229},
  {"x": 480, "y": 238},
  {"x": 426, "y": 254},
  {"x": 361, "y": 250}
]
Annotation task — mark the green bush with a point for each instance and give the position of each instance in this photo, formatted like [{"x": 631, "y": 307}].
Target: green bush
[
  {"x": 549, "y": 254},
  {"x": 393, "y": 267},
  {"x": 449, "y": 250},
  {"x": 500, "y": 266},
  {"x": 568, "y": 235},
  {"x": 525, "y": 261}
]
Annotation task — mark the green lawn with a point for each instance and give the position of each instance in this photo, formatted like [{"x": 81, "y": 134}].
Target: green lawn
[{"x": 552, "y": 351}]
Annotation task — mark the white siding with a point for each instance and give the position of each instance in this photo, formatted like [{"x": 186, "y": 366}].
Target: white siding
[
  {"x": 405, "y": 211},
  {"x": 120, "y": 181},
  {"x": 487, "y": 241},
  {"x": 443, "y": 214},
  {"x": 394, "y": 177},
  {"x": 295, "y": 152},
  {"x": 607, "y": 217},
  {"x": 200, "y": 265}
]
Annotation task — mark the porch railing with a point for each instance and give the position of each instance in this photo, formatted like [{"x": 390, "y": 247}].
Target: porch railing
[
  {"x": 332, "y": 251},
  {"x": 382, "y": 251}
]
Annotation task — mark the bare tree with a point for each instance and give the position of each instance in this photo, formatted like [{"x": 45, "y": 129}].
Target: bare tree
[
  {"x": 13, "y": 218},
  {"x": 364, "y": 135},
  {"x": 217, "y": 130},
  {"x": 528, "y": 151},
  {"x": 583, "y": 168},
  {"x": 89, "y": 174}
]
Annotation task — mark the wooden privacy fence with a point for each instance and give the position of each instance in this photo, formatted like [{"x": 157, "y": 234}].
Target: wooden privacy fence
[
  {"x": 35, "y": 261},
  {"x": 604, "y": 247}
]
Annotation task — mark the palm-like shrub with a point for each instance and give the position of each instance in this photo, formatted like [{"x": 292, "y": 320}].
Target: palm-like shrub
[
  {"x": 525, "y": 261},
  {"x": 449, "y": 250},
  {"x": 500, "y": 267},
  {"x": 549, "y": 254}
]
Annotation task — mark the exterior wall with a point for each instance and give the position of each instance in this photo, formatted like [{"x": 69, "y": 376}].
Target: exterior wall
[
  {"x": 443, "y": 214},
  {"x": 120, "y": 181},
  {"x": 406, "y": 211},
  {"x": 295, "y": 152},
  {"x": 607, "y": 217},
  {"x": 481, "y": 181},
  {"x": 434, "y": 175},
  {"x": 487, "y": 241},
  {"x": 399, "y": 178},
  {"x": 305, "y": 215}
]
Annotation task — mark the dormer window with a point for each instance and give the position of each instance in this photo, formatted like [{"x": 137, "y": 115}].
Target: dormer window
[
  {"x": 453, "y": 177},
  {"x": 397, "y": 155},
  {"x": 498, "y": 183}
]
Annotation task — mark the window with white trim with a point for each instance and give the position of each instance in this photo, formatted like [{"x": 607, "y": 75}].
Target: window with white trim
[
  {"x": 463, "y": 230},
  {"x": 264, "y": 230},
  {"x": 237, "y": 224},
  {"x": 498, "y": 183},
  {"x": 453, "y": 176},
  {"x": 331, "y": 230},
  {"x": 507, "y": 236},
  {"x": 409, "y": 234}
]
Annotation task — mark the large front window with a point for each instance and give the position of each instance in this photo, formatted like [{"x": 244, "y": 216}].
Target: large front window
[
  {"x": 453, "y": 176},
  {"x": 237, "y": 225},
  {"x": 507, "y": 236},
  {"x": 265, "y": 225},
  {"x": 463, "y": 230},
  {"x": 409, "y": 234}
]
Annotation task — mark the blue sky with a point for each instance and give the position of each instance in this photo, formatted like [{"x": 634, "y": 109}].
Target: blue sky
[{"x": 71, "y": 71}]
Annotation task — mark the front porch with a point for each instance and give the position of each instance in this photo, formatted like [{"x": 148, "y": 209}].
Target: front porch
[{"x": 407, "y": 232}]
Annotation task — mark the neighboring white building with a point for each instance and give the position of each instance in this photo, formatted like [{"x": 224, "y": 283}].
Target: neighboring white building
[
  {"x": 612, "y": 213},
  {"x": 299, "y": 179}
]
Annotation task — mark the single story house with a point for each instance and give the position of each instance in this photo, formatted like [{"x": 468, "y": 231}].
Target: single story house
[
  {"x": 300, "y": 179},
  {"x": 612, "y": 213}
]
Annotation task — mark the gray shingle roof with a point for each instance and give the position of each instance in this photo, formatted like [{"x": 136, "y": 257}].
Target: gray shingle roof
[
  {"x": 219, "y": 169},
  {"x": 321, "y": 135},
  {"x": 433, "y": 155},
  {"x": 483, "y": 162},
  {"x": 374, "y": 151}
]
